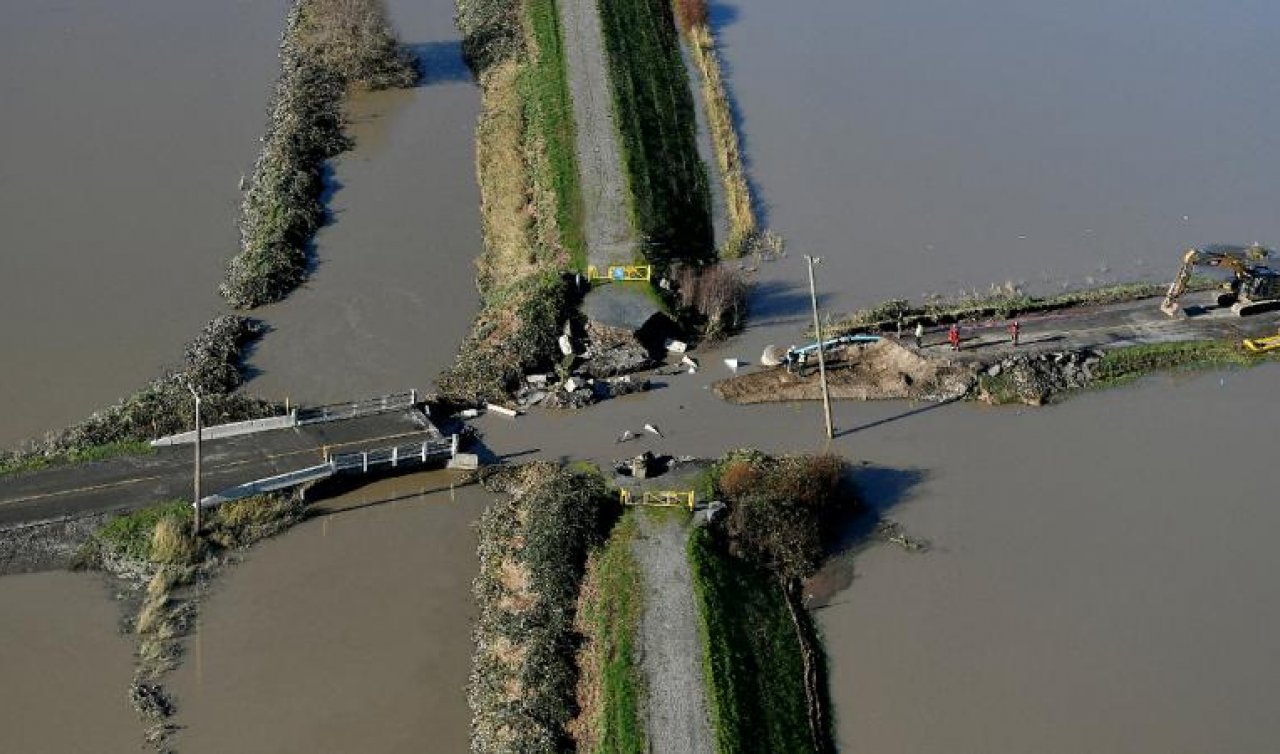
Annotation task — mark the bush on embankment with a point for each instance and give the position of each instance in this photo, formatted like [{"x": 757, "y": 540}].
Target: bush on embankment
[
  {"x": 328, "y": 47},
  {"x": 530, "y": 202},
  {"x": 671, "y": 203},
  {"x": 764, "y": 665},
  {"x": 533, "y": 548},
  {"x": 165, "y": 406}
]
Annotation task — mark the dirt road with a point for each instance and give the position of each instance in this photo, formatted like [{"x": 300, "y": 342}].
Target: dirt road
[
  {"x": 670, "y": 648},
  {"x": 610, "y": 238}
]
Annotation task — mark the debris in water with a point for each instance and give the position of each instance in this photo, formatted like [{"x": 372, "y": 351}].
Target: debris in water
[
  {"x": 653, "y": 429},
  {"x": 625, "y": 436},
  {"x": 733, "y": 364}
]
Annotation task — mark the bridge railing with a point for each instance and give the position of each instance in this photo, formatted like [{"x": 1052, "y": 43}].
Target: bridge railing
[
  {"x": 394, "y": 457},
  {"x": 353, "y": 409}
]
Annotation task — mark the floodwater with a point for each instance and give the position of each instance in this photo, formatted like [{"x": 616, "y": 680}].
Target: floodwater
[
  {"x": 126, "y": 130},
  {"x": 351, "y": 632},
  {"x": 1103, "y": 581},
  {"x": 939, "y": 145},
  {"x": 393, "y": 293},
  {"x": 65, "y": 667}
]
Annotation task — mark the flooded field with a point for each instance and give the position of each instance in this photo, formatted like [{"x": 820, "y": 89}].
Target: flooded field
[
  {"x": 66, "y": 667},
  {"x": 393, "y": 292},
  {"x": 1103, "y": 581},
  {"x": 352, "y": 632},
  {"x": 932, "y": 146},
  {"x": 126, "y": 130}
]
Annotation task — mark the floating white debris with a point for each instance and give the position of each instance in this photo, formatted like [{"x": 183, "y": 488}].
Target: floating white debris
[
  {"x": 689, "y": 361},
  {"x": 771, "y": 357},
  {"x": 733, "y": 364},
  {"x": 626, "y": 435},
  {"x": 653, "y": 429},
  {"x": 510, "y": 413}
]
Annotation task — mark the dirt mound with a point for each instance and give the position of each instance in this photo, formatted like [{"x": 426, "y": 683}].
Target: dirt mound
[{"x": 872, "y": 371}]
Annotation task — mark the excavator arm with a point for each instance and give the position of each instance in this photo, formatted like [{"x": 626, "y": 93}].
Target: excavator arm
[{"x": 1235, "y": 258}]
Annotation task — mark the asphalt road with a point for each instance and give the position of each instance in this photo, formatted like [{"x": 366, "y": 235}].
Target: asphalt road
[{"x": 129, "y": 482}]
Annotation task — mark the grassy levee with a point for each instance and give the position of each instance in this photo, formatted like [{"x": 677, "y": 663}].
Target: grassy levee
[
  {"x": 328, "y": 47},
  {"x": 671, "y": 202},
  {"x": 998, "y": 302},
  {"x": 753, "y": 666},
  {"x": 530, "y": 203},
  {"x": 739, "y": 205},
  {"x": 610, "y": 688},
  {"x": 533, "y": 546},
  {"x": 1121, "y": 366}
]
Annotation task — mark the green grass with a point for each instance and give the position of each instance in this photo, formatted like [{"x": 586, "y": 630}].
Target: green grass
[
  {"x": 75, "y": 455},
  {"x": 549, "y": 114},
  {"x": 753, "y": 666},
  {"x": 611, "y": 613},
  {"x": 130, "y": 534},
  {"x": 671, "y": 202},
  {"x": 1124, "y": 365}
]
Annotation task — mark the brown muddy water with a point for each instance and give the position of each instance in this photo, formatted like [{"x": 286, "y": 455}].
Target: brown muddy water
[
  {"x": 64, "y": 667},
  {"x": 352, "y": 632},
  {"x": 393, "y": 291},
  {"x": 939, "y": 145},
  {"x": 126, "y": 130}
]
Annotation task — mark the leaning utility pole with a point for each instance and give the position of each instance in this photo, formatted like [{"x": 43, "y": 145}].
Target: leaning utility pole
[
  {"x": 817, "y": 329},
  {"x": 196, "y": 502}
]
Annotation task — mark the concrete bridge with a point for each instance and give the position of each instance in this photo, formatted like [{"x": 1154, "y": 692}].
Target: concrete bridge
[{"x": 372, "y": 436}]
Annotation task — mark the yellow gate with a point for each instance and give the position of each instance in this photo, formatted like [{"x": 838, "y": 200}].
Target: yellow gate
[
  {"x": 621, "y": 273},
  {"x": 659, "y": 498}
]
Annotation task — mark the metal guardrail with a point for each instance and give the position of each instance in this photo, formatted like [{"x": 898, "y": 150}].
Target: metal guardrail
[
  {"x": 364, "y": 407},
  {"x": 394, "y": 457}
]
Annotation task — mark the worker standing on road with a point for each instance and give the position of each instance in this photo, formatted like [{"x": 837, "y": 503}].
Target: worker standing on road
[
  {"x": 919, "y": 335},
  {"x": 1014, "y": 329},
  {"x": 953, "y": 337}
]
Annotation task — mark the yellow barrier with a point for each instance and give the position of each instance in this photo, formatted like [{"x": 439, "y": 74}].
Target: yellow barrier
[
  {"x": 1262, "y": 345},
  {"x": 621, "y": 273},
  {"x": 661, "y": 498}
]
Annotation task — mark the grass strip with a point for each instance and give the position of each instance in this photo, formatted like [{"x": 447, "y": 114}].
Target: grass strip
[
  {"x": 612, "y": 687},
  {"x": 1121, "y": 366},
  {"x": 739, "y": 205},
  {"x": 549, "y": 117},
  {"x": 753, "y": 667},
  {"x": 671, "y": 203},
  {"x": 73, "y": 455}
]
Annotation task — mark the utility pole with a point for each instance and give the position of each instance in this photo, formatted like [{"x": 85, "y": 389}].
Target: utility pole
[
  {"x": 196, "y": 502},
  {"x": 817, "y": 329}
]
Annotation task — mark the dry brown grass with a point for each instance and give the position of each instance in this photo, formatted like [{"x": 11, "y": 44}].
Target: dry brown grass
[
  {"x": 506, "y": 214},
  {"x": 737, "y": 192},
  {"x": 690, "y": 13},
  {"x": 172, "y": 543},
  {"x": 517, "y": 596}
]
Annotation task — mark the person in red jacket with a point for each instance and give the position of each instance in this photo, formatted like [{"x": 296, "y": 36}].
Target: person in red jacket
[
  {"x": 953, "y": 337},
  {"x": 1014, "y": 329}
]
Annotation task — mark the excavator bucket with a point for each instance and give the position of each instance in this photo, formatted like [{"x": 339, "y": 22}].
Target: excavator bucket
[
  {"x": 1172, "y": 309},
  {"x": 1263, "y": 345}
]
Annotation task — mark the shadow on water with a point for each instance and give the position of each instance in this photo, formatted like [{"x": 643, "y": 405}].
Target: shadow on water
[
  {"x": 721, "y": 16},
  {"x": 895, "y": 417},
  {"x": 880, "y": 489},
  {"x": 777, "y": 302},
  {"x": 441, "y": 62}
]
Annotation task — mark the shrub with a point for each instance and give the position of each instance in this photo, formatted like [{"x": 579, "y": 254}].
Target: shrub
[{"x": 715, "y": 297}]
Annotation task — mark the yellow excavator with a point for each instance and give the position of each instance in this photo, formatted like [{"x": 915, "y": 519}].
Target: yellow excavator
[{"x": 1254, "y": 287}]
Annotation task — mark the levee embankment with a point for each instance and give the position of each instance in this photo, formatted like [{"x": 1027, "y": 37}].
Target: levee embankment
[{"x": 328, "y": 46}]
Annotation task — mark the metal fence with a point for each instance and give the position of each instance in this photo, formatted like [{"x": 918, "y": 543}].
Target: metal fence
[
  {"x": 364, "y": 407},
  {"x": 659, "y": 498}
]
